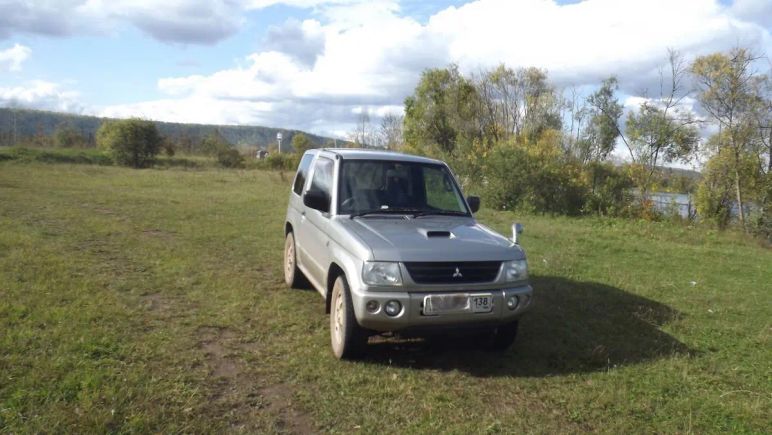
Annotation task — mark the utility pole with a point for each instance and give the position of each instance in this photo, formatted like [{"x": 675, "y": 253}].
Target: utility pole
[{"x": 14, "y": 125}]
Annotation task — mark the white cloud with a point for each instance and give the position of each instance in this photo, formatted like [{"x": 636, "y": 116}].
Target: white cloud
[
  {"x": 39, "y": 94},
  {"x": 359, "y": 54},
  {"x": 12, "y": 58},
  {"x": 177, "y": 21},
  {"x": 755, "y": 11},
  {"x": 185, "y": 21}
]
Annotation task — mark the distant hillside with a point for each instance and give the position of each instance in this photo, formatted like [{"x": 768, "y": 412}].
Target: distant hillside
[{"x": 24, "y": 123}]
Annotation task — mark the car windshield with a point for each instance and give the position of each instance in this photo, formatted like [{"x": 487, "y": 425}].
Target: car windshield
[{"x": 372, "y": 186}]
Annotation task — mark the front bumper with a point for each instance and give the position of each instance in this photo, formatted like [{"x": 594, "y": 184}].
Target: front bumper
[{"x": 412, "y": 317}]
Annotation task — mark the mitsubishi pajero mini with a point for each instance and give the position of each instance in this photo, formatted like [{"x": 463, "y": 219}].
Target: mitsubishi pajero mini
[{"x": 392, "y": 245}]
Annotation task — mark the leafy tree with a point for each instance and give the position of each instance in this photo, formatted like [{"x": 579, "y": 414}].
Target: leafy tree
[
  {"x": 656, "y": 137},
  {"x": 301, "y": 143},
  {"x": 599, "y": 137},
  {"x": 214, "y": 143},
  {"x": 732, "y": 93},
  {"x": 66, "y": 136},
  {"x": 441, "y": 112},
  {"x": 132, "y": 142},
  {"x": 714, "y": 199},
  {"x": 229, "y": 157},
  {"x": 605, "y": 115}
]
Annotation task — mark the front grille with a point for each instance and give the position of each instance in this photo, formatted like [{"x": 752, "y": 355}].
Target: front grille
[{"x": 465, "y": 272}]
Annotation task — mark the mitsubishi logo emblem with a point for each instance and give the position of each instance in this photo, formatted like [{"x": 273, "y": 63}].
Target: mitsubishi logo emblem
[{"x": 457, "y": 273}]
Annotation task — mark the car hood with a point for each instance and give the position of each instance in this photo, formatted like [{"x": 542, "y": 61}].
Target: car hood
[{"x": 435, "y": 238}]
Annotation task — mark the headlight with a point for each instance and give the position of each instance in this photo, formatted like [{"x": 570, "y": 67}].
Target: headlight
[
  {"x": 516, "y": 270},
  {"x": 381, "y": 273}
]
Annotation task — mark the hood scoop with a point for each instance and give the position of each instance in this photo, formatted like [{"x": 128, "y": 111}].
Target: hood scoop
[{"x": 437, "y": 234}]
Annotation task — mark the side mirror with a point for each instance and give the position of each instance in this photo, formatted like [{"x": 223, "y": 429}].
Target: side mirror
[
  {"x": 317, "y": 200},
  {"x": 474, "y": 203},
  {"x": 517, "y": 229}
]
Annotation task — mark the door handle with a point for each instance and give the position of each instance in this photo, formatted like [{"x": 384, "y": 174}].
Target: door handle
[{"x": 303, "y": 213}]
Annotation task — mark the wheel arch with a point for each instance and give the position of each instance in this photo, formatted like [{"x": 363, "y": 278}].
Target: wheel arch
[{"x": 333, "y": 272}]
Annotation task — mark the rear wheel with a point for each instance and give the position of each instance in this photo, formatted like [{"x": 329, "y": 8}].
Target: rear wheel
[
  {"x": 504, "y": 336},
  {"x": 347, "y": 337},
  {"x": 292, "y": 275}
]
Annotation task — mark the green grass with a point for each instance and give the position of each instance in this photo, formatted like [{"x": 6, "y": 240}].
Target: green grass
[{"x": 153, "y": 301}]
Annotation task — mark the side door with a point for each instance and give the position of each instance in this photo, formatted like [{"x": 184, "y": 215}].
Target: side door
[{"x": 313, "y": 234}]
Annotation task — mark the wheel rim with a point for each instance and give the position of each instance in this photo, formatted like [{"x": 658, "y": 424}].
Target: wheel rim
[
  {"x": 289, "y": 260},
  {"x": 338, "y": 317}
]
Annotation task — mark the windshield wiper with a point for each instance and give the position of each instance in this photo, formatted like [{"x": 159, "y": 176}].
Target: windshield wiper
[
  {"x": 440, "y": 213},
  {"x": 384, "y": 211}
]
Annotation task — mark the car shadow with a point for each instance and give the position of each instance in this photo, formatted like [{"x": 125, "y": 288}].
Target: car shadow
[{"x": 574, "y": 327}]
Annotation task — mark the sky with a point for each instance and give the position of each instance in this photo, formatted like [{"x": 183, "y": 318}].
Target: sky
[{"x": 314, "y": 65}]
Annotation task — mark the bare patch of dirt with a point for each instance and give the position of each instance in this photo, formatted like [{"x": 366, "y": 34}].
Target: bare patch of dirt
[
  {"x": 213, "y": 344},
  {"x": 156, "y": 302},
  {"x": 278, "y": 402},
  {"x": 236, "y": 394}
]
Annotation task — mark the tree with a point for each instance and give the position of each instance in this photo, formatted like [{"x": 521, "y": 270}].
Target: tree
[
  {"x": 714, "y": 193},
  {"x": 390, "y": 132},
  {"x": 214, "y": 143},
  {"x": 301, "y": 143},
  {"x": 132, "y": 142},
  {"x": 362, "y": 136},
  {"x": 660, "y": 131},
  {"x": 605, "y": 113},
  {"x": 66, "y": 136},
  {"x": 731, "y": 92},
  {"x": 442, "y": 112}
]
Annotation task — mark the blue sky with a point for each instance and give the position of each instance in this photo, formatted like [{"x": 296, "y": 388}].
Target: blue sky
[{"x": 316, "y": 64}]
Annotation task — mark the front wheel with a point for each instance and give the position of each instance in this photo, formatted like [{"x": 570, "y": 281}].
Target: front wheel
[
  {"x": 503, "y": 336},
  {"x": 347, "y": 337}
]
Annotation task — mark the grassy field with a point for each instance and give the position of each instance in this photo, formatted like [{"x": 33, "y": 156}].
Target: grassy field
[{"x": 153, "y": 301}]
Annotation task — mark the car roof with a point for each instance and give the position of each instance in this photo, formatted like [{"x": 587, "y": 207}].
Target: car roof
[{"x": 371, "y": 154}]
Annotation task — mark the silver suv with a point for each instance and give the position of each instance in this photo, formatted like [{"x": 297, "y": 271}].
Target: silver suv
[{"x": 391, "y": 244}]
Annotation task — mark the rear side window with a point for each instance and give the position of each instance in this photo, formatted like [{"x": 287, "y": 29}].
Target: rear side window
[{"x": 300, "y": 178}]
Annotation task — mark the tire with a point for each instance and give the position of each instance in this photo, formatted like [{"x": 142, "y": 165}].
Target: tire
[
  {"x": 348, "y": 339},
  {"x": 503, "y": 337},
  {"x": 293, "y": 277}
]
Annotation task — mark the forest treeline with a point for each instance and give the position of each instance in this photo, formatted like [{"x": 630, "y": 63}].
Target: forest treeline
[
  {"x": 36, "y": 128},
  {"x": 514, "y": 137}
]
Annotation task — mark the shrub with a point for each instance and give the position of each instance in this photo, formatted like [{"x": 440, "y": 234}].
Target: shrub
[
  {"x": 608, "y": 190},
  {"x": 517, "y": 177},
  {"x": 229, "y": 157},
  {"x": 283, "y": 161},
  {"x": 132, "y": 142}
]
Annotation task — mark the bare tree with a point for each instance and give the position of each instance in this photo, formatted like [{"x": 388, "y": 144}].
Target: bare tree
[
  {"x": 362, "y": 135},
  {"x": 390, "y": 132}
]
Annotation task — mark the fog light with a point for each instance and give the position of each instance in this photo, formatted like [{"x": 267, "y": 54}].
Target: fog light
[
  {"x": 512, "y": 302},
  {"x": 373, "y": 306},
  {"x": 392, "y": 308}
]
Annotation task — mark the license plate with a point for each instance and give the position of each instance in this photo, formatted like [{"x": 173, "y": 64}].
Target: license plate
[
  {"x": 481, "y": 303},
  {"x": 457, "y": 303}
]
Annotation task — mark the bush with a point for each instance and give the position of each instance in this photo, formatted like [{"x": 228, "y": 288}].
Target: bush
[
  {"x": 515, "y": 177},
  {"x": 132, "y": 142},
  {"x": 609, "y": 190},
  {"x": 229, "y": 157},
  {"x": 283, "y": 161}
]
